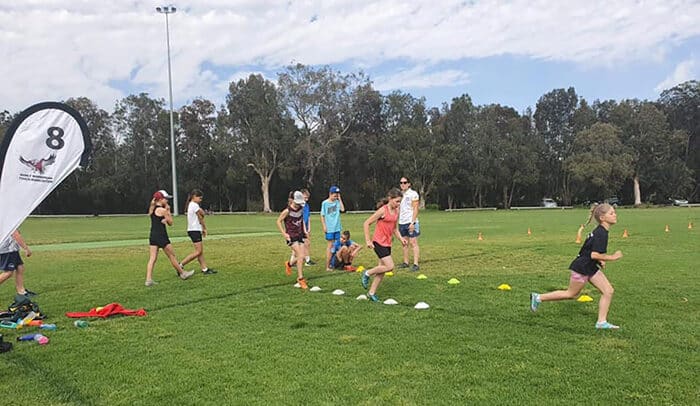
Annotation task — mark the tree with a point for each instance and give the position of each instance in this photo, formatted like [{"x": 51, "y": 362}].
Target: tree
[
  {"x": 263, "y": 127},
  {"x": 459, "y": 125},
  {"x": 321, "y": 101},
  {"x": 599, "y": 163}
]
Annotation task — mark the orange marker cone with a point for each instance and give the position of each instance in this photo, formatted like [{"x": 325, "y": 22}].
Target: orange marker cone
[
  {"x": 624, "y": 234},
  {"x": 528, "y": 231},
  {"x": 578, "y": 234},
  {"x": 690, "y": 226},
  {"x": 480, "y": 238},
  {"x": 667, "y": 229}
]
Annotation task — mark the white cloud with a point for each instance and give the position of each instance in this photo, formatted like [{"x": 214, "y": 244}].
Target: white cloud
[
  {"x": 55, "y": 49},
  {"x": 684, "y": 71}
]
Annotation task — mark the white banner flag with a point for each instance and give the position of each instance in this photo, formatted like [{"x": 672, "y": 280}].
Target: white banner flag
[{"x": 42, "y": 146}]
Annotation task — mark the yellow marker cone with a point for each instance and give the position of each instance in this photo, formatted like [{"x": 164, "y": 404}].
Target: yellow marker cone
[
  {"x": 528, "y": 231},
  {"x": 584, "y": 299},
  {"x": 667, "y": 229},
  {"x": 480, "y": 237},
  {"x": 625, "y": 234},
  {"x": 504, "y": 286},
  {"x": 421, "y": 276},
  {"x": 453, "y": 281},
  {"x": 360, "y": 268},
  {"x": 389, "y": 273}
]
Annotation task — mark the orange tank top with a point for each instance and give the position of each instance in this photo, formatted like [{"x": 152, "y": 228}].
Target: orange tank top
[{"x": 385, "y": 227}]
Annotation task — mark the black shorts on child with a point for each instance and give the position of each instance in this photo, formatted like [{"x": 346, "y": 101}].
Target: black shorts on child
[
  {"x": 195, "y": 236},
  {"x": 9, "y": 261}
]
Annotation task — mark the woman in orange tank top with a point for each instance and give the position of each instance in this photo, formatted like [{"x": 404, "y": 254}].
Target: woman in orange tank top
[{"x": 386, "y": 217}]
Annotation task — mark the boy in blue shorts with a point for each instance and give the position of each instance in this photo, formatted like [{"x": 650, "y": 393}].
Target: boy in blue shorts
[
  {"x": 344, "y": 252},
  {"x": 330, "y": 220},
  {"x": 11, "y": 262}
]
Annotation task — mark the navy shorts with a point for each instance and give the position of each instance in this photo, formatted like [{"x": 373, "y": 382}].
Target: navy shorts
[
  {"x": 381, "y": 251},
  {"x": 159, "y": 241},
  {"x": 195, "y": 236},
  {"x": 403, "y": 230},
  {"x": 295, "y": 239},
  {"x": 336, "y": 263},
  {"x": 9, "y": 261}
]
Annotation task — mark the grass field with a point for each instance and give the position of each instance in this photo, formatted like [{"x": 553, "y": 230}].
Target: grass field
[{"x": 246, "y": 336}]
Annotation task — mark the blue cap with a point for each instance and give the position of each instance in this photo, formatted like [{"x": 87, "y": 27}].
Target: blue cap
[{"x": 334, "y": 189}]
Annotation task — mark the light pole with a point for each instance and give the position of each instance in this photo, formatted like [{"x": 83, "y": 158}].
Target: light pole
[{"x": 170, "y": 10}]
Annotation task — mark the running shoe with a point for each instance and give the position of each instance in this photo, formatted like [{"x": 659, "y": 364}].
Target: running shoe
[
  {"x": 150, "y": 283},
  {"x": 365, "y": 280},
  {"x": 415, "y": 268},
  {"x": 604, "y": 325},
  {"x": 349, "y": 268},
  {"x": 287, "y": 268},
  {"x": 403, "y": 265},
  {"x": 310, "y": 262},
  {"x": 534, "y": 301},
  {"x": 372, "y": 297},
  {"x": 210, "y": 271},
  {"x": 186, "y": 275},
  {"x": 302, "y": 283},
  {"x": 29, "y": 293}
]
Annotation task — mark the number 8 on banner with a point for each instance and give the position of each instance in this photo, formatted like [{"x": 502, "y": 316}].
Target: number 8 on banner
[{"x": 42, "y": 146}]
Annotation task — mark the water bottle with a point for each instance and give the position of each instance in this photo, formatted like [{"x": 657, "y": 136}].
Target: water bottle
[
  {"x": 80, "y": 323},
  {"x": 47, "y": 327},
  {"x": 27, "y": 337},
  {"x": 26, "y": 320}
]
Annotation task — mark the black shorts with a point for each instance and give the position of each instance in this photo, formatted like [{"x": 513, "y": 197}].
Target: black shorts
[
  {"x": 160, "y": 241},
  {"x": 381, "y": 251},
  {"x": 195, "y": 236},
  {"x": 9, "y": 261},
  {"x": 295, "y": 239}
]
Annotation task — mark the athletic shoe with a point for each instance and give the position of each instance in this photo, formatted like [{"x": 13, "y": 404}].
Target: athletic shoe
[
  {"x": 29, "y": 293},
  {"x": 210, "y": 271},
  {"x": 302, "y": 283},
  {"x": 349, "y": 268},
  {"x": 373, "y": 298},
  {"x": 403, "y": 265},
  {"x": 604, "y": 325},
  {"x": 365, "y": 280},
  {"x": 186, "y": 275},
  {"x": 287, "y": 268},
  {"x": 415, "y": 268},
  {"x": 534, "y": 301},
  {"x": 150, "y": 282},
  {"x": 310, "y": 262}
]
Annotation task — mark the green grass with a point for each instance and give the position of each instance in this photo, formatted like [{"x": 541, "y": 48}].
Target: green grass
[{"x": 246, "y": 336}]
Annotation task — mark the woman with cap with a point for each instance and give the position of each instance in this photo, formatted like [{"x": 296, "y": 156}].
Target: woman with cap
[
  {"x": 293, "y": 232},
  {"x": 159, "y": 212}
]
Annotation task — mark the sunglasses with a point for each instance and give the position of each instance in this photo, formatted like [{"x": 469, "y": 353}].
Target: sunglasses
[{"x": 404, "y": 182}]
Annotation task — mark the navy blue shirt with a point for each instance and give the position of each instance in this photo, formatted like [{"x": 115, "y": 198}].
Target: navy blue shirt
[{"x": 597, "y": 241}]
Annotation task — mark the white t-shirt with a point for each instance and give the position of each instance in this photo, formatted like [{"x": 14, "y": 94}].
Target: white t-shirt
[
  {"x": 193, "y": 223},
  {"x": 9, "y": 245},
  {"x": 406, "y": 208}
]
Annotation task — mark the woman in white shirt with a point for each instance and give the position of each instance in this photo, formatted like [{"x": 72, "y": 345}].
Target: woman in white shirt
[{"x": 197, "y": 230}]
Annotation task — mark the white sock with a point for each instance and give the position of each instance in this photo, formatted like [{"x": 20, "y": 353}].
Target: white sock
[
  {"x": 308, "y": 258},
  {"x": 204, "y": 269}
]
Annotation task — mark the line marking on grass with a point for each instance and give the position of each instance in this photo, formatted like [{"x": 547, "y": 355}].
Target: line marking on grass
[{"x": 126, "y": 243}]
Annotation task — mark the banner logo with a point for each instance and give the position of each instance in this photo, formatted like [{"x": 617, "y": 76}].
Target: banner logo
[{"x": 38, "y": 165}]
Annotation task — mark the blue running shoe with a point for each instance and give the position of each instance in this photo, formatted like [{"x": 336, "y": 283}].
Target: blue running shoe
[
  {"x": 534, "y": 301},
  {"x": 604, "y": 325},
  {"x": 365, "y": 280},
  {"x": 373, "y": 298}
]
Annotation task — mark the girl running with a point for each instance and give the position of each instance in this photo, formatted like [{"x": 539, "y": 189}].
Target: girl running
[
  {"x": 293, "y": 233},
  {"x": 159, "y": 212},
  {"x": 588, "y": 265},
  {"x": 196, "y": 229},
  {"x": 386, "y": 218}
]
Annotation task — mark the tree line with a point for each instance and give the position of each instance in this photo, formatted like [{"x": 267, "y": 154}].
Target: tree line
[{"x": 316, "y": 126}]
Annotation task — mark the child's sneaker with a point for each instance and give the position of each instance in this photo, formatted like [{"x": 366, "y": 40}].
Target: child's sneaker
[
  {"x": 604, "y": 325},
  {"x": 372, "y": 297},
  {"x": 415, "y": 268},
  {"x": 310, "y": 262},
  {"x": 403, "y": 265},
  {"x": 302, "y": 283},
  {"x": 365, "y": 280},
  {"x": 534, "y": 301},
  {"x": 349, "y": 268},
  {"x": 210, "y": 271},
  {"x": 150, "y": 283},
  {"x": 287, "y": 268},
  {"x": 186, "y": 275}
]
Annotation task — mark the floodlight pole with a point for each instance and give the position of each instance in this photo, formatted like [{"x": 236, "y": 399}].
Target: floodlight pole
[{"x": 170, "y": 10}]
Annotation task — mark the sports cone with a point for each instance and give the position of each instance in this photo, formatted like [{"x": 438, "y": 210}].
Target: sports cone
[
  {"x": 690, "y": 226},
  {"x": 480, "y": 237},
  {"x": 624, "y": 234},
  {"x": 578, "y": 234},
  {"x": 667, "y": 229},
  {"x": 528, "y": 231}
]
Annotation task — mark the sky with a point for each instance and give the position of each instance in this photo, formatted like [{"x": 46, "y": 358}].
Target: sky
[{"x": 506, "y": 52}]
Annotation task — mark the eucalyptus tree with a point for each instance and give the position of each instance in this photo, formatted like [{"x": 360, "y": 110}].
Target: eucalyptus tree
[
  {"x": 459, "y": 122},
  {"x": 262, "y": 125},
  {"x": 599, "y": 163},
  {"x": 554, "y": 116},
  {"x": 321, "y": 103}
]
